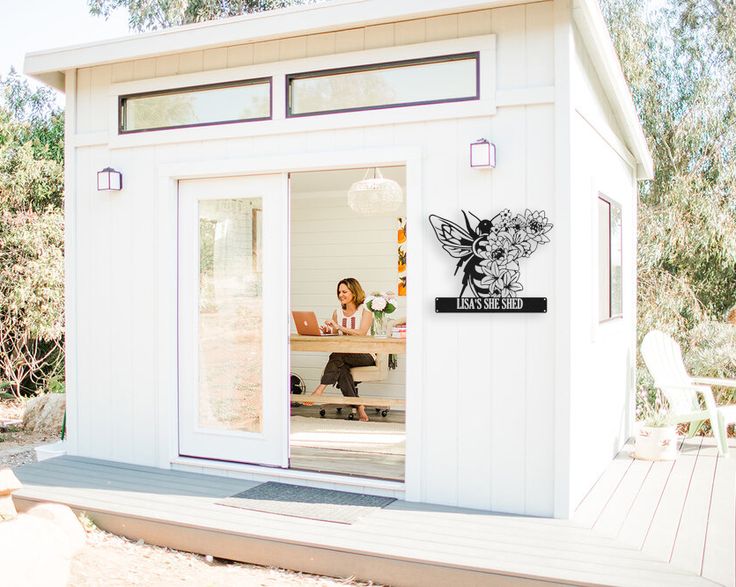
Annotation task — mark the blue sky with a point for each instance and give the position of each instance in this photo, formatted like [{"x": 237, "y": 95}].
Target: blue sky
[{"x": 33, "y": 25}]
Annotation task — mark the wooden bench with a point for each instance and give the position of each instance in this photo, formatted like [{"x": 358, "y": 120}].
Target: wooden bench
[{"x": 382, "y": 404}]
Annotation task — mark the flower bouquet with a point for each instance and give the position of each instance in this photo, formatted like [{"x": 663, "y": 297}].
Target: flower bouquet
[{"x": 381, "y": 304}]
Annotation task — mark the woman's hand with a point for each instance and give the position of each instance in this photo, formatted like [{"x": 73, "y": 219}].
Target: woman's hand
[{"x": 331, "y": 327}]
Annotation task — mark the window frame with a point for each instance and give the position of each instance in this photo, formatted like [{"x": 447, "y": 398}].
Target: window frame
[
  {"x": 188, "y": 89},
  {"x": 611, "y": 203},
  {"x": 378, "y": 66}
]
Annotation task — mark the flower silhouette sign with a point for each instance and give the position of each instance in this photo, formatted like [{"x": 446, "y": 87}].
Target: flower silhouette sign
[{"x": 488, "y": 253}]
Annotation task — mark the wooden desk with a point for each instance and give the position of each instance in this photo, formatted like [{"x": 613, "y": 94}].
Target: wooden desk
[{"x": 348, "y": 344}]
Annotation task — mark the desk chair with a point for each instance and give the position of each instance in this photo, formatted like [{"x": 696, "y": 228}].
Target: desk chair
[{"x": 377, "y": 372}]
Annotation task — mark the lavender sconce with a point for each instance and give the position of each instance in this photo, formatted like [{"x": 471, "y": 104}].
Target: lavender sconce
[{"x": 488, "y": 252}]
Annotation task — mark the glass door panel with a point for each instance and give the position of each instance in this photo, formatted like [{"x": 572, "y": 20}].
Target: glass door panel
[
  {"x": 230, "y": 395},
  {"x": 233, "y": 372}
]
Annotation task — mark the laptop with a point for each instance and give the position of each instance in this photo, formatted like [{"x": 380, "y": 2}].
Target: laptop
[{"x": 307, "y": 325}]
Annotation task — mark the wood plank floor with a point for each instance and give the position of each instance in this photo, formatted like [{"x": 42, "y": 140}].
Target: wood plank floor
[
  {"x": 682, "y": 512},
  {"x": 342, "y": 462},
  {"x": 642, "y": 524},
  {"x": 345, "y": 462}
]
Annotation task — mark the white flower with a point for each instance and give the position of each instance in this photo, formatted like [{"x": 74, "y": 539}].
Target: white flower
[{"x": 378, "y": 304}]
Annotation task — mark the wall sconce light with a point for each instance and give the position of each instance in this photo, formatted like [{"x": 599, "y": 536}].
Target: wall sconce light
[
  {"x": 482, "y": 154},
  {"x": 108, "y": 179}
]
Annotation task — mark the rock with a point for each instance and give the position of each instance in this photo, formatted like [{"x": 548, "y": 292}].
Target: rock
[
  {"x": 38, "y": 546},
  {"x": 8, "y": 483},
  {"x": 65, "y": 519},
  {"x": 45, "y": 413}
]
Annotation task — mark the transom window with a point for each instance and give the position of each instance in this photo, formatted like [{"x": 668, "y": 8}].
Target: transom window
[
  {"x": 224, "y": 103},
  {"x": 450, "y": 78}
]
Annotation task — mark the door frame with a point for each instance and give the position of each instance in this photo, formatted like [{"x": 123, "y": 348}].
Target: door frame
[
  {"x": 267, "y": 447},
  {"x": 167, "y": 282}
]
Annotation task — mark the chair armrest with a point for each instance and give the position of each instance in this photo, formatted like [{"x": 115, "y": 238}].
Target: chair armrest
[
  {"x": 715, "y": 381},
  {"x": 692, "y": 386}
]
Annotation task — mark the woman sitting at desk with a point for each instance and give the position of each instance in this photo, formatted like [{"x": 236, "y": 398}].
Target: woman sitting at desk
[{"x": 351, "y": 318}]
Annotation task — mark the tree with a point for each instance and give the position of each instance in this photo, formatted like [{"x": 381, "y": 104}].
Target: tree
[
  {"x": 150, "y": 15},
  {"x": 31, "y": 236},
  {"x": 678, "y": 57}
]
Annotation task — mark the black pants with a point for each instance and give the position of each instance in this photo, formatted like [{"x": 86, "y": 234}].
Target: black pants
[{"x": 338, "y": 367}]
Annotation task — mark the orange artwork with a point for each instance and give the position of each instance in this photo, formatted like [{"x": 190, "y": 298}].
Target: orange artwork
[{"x": 401, "y": 249}]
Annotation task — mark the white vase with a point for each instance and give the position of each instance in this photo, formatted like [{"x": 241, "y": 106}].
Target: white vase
[
  {"x": 656, "y": 443},
  {"x": 379, "y": 325}
]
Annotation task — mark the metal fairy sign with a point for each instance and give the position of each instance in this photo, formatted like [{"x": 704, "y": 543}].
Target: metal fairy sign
[{"x": 489, "y": 252}]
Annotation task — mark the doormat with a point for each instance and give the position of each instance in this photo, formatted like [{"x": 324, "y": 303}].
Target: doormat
[{"x": 313, "y": 503}]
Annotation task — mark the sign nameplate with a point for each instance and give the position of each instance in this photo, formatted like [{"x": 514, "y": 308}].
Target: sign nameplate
[{"x": 490, "y": 305}]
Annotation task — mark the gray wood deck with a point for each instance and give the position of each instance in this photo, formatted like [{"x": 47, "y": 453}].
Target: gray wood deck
[{"x": 642, "y": 524}]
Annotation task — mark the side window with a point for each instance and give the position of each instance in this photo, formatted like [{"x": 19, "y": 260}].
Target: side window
[{"x": 610, "y": 273}]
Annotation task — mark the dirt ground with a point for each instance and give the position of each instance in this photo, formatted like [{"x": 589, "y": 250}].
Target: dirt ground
[{"x": 112, "y": 561}]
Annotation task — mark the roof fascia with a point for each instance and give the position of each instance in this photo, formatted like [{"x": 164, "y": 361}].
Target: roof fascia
[
  {"x": 256, "y": 27},
  {"x": 592, "y": 26}
]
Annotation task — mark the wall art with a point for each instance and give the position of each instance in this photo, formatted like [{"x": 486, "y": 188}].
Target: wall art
[
  {"x": 401, "y": 250},
  {"x": 489, "y": 252}
]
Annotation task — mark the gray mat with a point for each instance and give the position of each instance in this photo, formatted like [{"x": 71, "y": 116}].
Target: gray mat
[{"x": 307, "y": 502}]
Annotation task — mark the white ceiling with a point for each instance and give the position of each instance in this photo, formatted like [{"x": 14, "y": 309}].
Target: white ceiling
[{"x": 340, "y": 180}]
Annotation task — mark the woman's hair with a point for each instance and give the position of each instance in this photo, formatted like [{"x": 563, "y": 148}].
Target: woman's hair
[{"x": 354, "y": 286}]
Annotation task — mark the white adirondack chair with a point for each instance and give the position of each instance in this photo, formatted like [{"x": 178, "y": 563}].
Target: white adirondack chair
[{"x": 663, "y": 358}]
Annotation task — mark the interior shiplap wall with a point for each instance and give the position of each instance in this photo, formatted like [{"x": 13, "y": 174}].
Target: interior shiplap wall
[
  {"x": 329, "y": 242},
  {"x": 487, "y": 426}
]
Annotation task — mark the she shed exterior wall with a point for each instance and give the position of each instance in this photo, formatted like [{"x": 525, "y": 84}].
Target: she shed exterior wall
[
  {"x": 487, "y": 432},
  {"x": 604, "y": 353}
]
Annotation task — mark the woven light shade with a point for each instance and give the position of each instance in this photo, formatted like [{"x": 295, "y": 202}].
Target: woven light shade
[{"x": 375, "y": 195}]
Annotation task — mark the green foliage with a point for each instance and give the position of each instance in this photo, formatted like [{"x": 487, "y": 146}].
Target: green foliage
[
  {"x": 150, "y": 15},
  {"x": 31, "y": 117},
  {"x": 678, "y": 57},
  {"x": 656, "y": 413},
  {"x": 712, "y": 353},
  {"x": 31, "y": 236}
]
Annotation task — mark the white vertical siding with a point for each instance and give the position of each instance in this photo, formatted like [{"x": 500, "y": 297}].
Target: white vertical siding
[
  {"x": 487, "y": 432},
  {"x": 604, "y": 353},
  {"x": 539, "y": 277}
]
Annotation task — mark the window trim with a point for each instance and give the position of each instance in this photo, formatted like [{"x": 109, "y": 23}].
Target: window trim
[
  {"x": 611, "y": 316},
  {"x": 188, "y": 89},
  {"x": 377, "y": 66}
]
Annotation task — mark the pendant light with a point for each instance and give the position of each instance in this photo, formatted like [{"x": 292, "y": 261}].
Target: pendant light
[{"x": 374, "y": 194}]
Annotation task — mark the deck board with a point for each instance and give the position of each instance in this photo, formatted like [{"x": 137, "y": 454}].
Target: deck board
[
  {"x": 719, "y": 559},
  {"x": 639, "y": 519},
  {"x": 404, "y": 543},
  {"x": 617, "y": 508},
  {"x": 660, "y": 539},
  {"x": 595, "y": 502},
  {"x": 377, "y": 530},
  {"x": 689, "y": 544}
]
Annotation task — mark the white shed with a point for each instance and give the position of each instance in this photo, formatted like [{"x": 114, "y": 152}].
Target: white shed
[{"x": 238, "y": 140}]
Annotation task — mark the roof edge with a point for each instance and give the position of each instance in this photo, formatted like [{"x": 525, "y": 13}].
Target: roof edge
[
  {"x": 250, "y": 28},
  {"x": 589, "y": 18}
]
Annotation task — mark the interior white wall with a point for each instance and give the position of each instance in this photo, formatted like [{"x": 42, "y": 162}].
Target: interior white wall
[
  {"x": 603, "y": 353},
  {"x": 329, "y": 242},
  {"x": 487, "y": 426}
]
